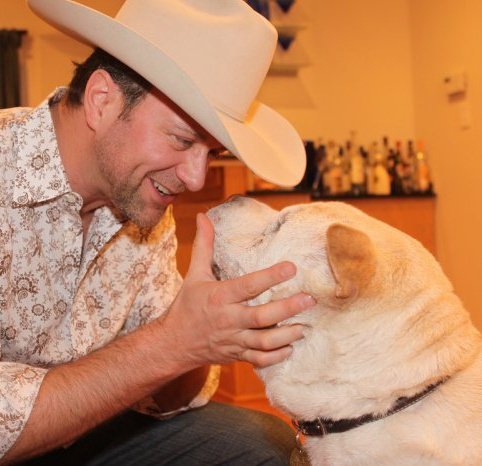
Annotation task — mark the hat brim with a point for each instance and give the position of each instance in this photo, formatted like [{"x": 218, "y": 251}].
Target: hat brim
[{"x": 266, "y": 142}]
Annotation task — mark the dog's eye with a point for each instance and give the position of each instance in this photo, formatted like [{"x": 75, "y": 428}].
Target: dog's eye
[
  {"x": 274, "y": 227},
  {"x": 271, "y": 228}
]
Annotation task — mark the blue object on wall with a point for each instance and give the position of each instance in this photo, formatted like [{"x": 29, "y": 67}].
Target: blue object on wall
[
  {"x": 285, "y": 5},
  {"x": 261, "y": 6},
  {"x": 285, "y": 41}
]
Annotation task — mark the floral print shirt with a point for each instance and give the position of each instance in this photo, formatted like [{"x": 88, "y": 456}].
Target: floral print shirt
[{"x": 61, "y": 296}]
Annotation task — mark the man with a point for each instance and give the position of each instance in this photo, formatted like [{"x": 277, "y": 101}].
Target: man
[{"x": 94, "y": 317}]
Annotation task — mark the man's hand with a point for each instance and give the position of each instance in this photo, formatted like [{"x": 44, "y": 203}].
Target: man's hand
[{"x": 212, "y": 322}]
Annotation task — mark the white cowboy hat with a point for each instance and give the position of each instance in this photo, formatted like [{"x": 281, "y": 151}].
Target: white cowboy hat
[{"x": 210, "y": 57}]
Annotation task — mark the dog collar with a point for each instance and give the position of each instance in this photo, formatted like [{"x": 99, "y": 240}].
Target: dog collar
[{"x": 321, "y": 426}]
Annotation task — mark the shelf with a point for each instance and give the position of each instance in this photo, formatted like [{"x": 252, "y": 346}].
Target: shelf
[{"x": 288, "y": 29}]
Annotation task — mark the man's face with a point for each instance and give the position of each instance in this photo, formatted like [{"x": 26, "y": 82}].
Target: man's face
[{"x": 145, "y": 160}]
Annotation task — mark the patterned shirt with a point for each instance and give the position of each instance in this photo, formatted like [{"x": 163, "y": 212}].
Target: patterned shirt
[{"x": 61, "y": 296}]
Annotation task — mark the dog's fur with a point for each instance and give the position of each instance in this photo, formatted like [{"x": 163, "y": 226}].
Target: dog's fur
[{"x": 386, "y": 325}]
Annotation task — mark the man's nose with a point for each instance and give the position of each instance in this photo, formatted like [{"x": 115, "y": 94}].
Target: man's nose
[{"x": 192, "y": 171}]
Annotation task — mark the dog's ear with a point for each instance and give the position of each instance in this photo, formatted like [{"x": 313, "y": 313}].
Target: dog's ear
[{"x": 351, "y": 257}]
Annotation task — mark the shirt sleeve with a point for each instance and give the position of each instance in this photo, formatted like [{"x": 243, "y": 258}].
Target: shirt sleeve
[
  {"x": 161, "y": 285},
  {"x": 19, "y": 385}
]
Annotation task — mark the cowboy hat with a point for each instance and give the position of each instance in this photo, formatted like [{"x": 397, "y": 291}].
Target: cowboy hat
[{"x": 210, "y": 57}]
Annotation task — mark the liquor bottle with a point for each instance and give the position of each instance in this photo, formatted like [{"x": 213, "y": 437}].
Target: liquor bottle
[
  {"x": 318, "y": 188},
  {"x": 372, "y": 154},
  {"x": 381, "y": 178},
  {"x": 365, "y": 155},
  {"x": 421, "y": 173},
  {"x": 396, "y": 171},
  {"x": 385, "y": 149},
  {"x": 334, "y": 178},
  {"x": 331, "y": 154},
  {"x": 311, "y": 167},
  {"x": 345, "y": 168},
  {"x": 407, "y": 169},
  {"x": 357, "y": 170}
]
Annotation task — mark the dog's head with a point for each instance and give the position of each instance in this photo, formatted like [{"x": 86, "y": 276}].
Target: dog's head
[{"x": 342, "y": 255}]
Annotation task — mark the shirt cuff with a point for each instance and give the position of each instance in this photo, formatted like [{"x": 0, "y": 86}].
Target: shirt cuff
[
  {"x": 19, "y": 386},
  {"x": 149, "y": 406}
]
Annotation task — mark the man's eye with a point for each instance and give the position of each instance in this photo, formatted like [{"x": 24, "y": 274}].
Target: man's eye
[{"x": 185, "y": 143}]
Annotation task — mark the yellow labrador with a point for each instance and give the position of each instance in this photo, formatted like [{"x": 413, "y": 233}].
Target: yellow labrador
[{"x": 390, "y": 369}]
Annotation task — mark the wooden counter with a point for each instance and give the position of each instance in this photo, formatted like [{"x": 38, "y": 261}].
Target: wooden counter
[{"x": 413, "y": 215}]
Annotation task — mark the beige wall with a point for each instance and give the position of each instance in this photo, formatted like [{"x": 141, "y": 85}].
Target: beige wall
[
  {"x": 377, "y": 68},
  {"x": 47, "y": 54},
  {"x": 360, "y": 77},
  {"x": 447, "y": 37},
  {"x": 361, "y": 73}
]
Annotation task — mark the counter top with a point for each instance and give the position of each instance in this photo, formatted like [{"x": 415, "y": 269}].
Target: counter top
[{"x": 313, "y": 196}]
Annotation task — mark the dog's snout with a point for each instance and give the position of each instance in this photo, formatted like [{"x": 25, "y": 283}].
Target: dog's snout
[{"x": 234, "y": 198}]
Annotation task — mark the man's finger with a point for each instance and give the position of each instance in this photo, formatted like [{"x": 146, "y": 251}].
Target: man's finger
[
  {"x": 202, "y": 251},
  {"x": 249, "y": 286},
  {"x": 269, "y": 314},
  {"x": 266, "y": 358},
  {"x": 272, "y": 338}
]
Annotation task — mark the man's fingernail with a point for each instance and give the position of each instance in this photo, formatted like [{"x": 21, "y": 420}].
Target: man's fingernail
[
  {"x": 308, "y": 300},
  {"x": 288, "y": 270},
  {"x": 301, "y": 331}
]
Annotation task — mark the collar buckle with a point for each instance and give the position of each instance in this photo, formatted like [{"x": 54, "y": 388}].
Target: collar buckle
[{"x": 316, "y": 427}]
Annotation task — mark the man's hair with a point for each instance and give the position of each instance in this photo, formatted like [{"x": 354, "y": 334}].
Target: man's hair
[{"x": 133, "y": 86}]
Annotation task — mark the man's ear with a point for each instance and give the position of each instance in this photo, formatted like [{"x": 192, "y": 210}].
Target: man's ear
[
  {"x": 102, "y": 99},
  {"x": 352, "y": 259}
]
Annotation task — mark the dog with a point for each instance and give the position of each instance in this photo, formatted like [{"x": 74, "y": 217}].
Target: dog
[{"x": 389, "y": 371}]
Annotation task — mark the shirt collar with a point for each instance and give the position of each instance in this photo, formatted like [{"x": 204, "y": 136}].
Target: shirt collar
[{"x": 40, "y": 174}]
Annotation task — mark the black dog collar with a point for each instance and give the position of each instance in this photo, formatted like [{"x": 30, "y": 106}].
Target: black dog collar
[{"x": 321, "y": 426}]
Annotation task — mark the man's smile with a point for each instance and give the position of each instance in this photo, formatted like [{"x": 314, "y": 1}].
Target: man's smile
[{"x": 162, "y": 189}]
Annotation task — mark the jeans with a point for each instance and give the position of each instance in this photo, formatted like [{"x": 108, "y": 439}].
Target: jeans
[{"x": 216, "y": 434}]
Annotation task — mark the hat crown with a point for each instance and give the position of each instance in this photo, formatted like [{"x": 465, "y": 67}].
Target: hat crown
[{"x": 213, "y": 41}]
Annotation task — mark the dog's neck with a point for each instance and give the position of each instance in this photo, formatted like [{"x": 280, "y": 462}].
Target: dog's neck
[
  {"x": 368, "y": 373},
  {"x": 321, "y": 427}
]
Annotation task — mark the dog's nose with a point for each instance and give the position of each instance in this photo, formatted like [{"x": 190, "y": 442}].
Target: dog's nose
[
  {"x": 234, "y": 198},
  {"x": 216, "y": 270}
]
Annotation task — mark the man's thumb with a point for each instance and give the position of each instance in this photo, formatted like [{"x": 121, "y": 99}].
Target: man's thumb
[{"x": 202, "y": 250}]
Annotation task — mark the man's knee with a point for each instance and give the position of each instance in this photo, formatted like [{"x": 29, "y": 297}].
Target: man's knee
[{"x": 250, "y": 436}]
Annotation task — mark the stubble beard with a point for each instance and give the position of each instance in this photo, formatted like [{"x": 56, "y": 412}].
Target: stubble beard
[
  {"x": 125, "y": 192},
  {"x": 127, "y": 200}
]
